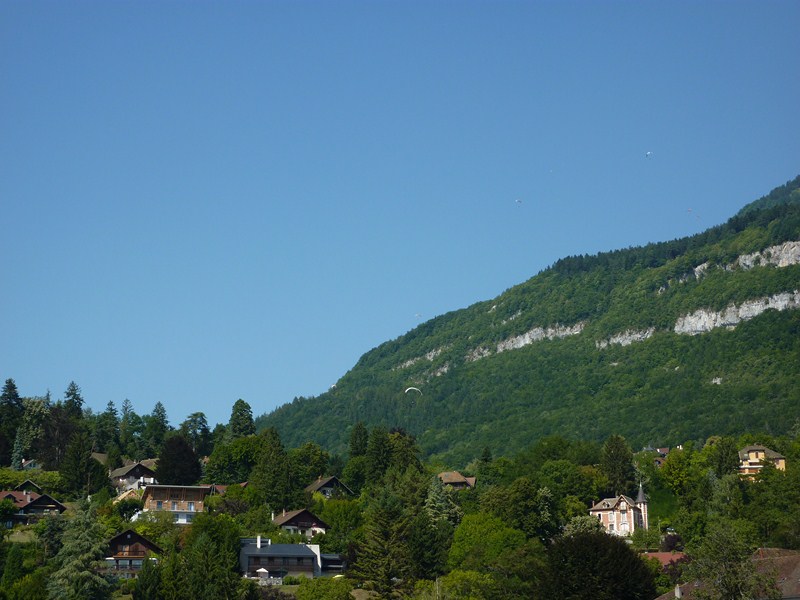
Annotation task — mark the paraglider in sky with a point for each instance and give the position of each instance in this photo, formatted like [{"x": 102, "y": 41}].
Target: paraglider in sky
[
  {"x": 648, "y": 154},
  {"x": 414, "y": 389},
  {"x": 519, "y": 201}
]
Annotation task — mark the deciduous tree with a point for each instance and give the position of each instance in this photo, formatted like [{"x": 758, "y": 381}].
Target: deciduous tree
[{"x": 598, "y": 566}]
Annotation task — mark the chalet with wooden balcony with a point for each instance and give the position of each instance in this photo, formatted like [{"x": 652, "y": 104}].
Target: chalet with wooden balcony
[
  {"x": 127, "y": 553},
  {"x": 182, "y": 501}
]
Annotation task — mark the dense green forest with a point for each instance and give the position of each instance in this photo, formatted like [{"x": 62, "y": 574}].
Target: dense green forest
[{"x": 664, "y": 389}]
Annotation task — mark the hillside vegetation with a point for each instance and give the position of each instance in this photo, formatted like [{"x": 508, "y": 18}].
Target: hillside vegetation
[{"x": 589, "y": 347}]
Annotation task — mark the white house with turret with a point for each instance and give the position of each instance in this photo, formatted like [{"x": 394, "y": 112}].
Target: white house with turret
[{"x": 622, "y": 515}]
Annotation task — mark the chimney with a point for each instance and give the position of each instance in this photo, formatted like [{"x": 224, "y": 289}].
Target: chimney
[
  {"x": 269, "y": 541},
  {"x": 258, "y": 541},
  {"x": 272, "y": 516},
  {"x": 678, "y": 592}
]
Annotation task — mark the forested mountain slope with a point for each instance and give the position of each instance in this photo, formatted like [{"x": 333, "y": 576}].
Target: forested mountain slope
[{"x": 663, "y": 343}]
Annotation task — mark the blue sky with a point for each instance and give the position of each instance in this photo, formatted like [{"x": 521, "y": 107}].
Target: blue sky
[{"x": 206, "y": 201}]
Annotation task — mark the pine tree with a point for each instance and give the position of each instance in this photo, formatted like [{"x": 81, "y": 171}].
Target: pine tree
[
  {"x": 211, "y": 572},
  {"x": 241, "y": 423},
  {"x": 273, "y": 476},
  {"x": 379, "y": 454},
  {"x": 173, "y": 575},
  {"x": 439, "y": 504},
  {"x": 106, "y": 433},
  {"x": 617, "y": 464},
  {"x": 13, "y": 568},
  {"x": 58, "y": 431},
  {"x": 177, "y": 463},
  {"x": 11, "y": 410},
  {"x": 156, "y": 427},
  {"x": 383, "y": 556},
  {"x": 81, "y": 473},
  {"x": 148, "y": 582},
  {"x": 17, "y": 455},
  {"x": 73, "y": 401},
  {"x": 358, "y": 440},
  {"x": 130, "y": 429},
  {"x": 84, "y": 547}
]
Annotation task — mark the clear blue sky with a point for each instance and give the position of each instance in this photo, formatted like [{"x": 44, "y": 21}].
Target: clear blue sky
[{"x": 206, "y": 201}]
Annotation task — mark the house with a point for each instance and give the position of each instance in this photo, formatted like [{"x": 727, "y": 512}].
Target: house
[
  {"x": 260, "y": 558},
  {"x": 456, "y": 480},
  {"x": 329, "y": 487},
  {"x": 622, "y": 515},
  {"x": 30, "y": 464},
  {"x": 753, "y": 458},
  {"x": 28, "y": 486},
  {"x": 783, "y": 565},
  {"x": 127, "y": 553},
  {"x": 301, "y": 521},
  {"x": 182, "y": 501},
  {"x": 30, "y": 506},
  {"x": 133, "y": 476}
]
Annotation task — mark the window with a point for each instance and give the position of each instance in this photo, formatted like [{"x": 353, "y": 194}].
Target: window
[
  {"x": 159, "y": 505},
  {"x": 191, "y": 506},
  {"x": 174, "y": 505}
]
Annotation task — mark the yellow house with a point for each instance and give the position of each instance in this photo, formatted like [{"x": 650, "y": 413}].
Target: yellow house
[{"x": 753, "y": 458}]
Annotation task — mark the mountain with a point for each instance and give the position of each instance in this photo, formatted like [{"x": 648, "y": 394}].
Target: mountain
[{"x": 663, "y": 343}]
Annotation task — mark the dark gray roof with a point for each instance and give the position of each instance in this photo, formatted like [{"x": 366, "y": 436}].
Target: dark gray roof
[{"x": 247, "y": 548}]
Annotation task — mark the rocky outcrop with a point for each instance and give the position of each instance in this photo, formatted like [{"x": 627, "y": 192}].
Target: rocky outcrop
[
  {"x": 540, "y": 333},
  {"x": 428, "y": 356},
  {"x": 477, "y": 354},
  {"x": 626, "y": 338},
  {"x": 782, "y": 255},
  {"x": 702, "y": 321}
]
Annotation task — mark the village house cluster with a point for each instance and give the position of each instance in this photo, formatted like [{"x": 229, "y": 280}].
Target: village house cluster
[{"x": 268, "y": 562}]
